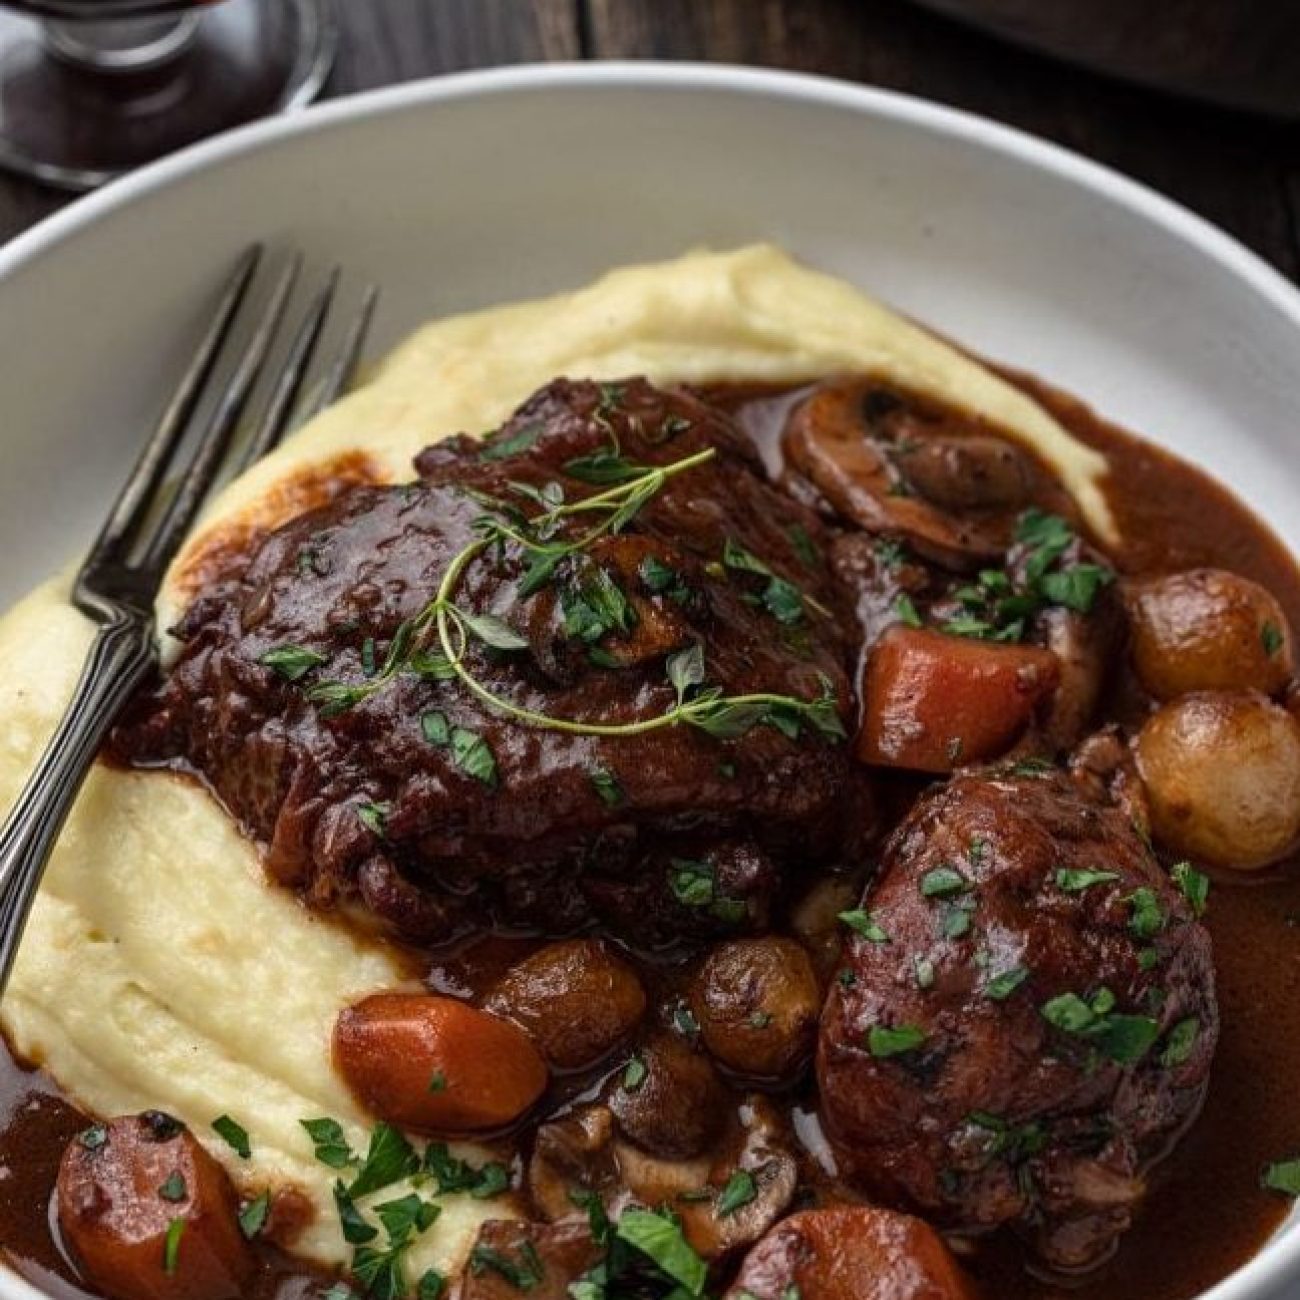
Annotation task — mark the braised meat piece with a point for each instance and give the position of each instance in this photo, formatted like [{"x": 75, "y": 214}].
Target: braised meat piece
[
  {"x": 1025, "y": 1017},
  {"x": 403, "y": 692}
]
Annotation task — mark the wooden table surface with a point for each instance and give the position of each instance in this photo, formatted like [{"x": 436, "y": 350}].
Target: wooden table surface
[{"x": 1242, "y": 173}]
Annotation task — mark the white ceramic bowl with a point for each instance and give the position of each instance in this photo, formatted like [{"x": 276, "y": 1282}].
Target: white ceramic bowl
[{"x": 467, "y": 190}]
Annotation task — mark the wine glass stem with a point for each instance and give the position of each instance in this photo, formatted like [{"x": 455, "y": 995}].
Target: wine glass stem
[{"x": 120, "y": 45}]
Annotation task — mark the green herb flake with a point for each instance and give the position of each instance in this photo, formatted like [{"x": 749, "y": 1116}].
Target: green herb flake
[
  {"x": 606, "y": 785},
  {"x": 863, "y": 923},
  {"x": 943, "y": 882},
  {"x": 1180, "y": 1043},
  {"x": 740, "y": 1190},
  {"x": 1282, "y": 1176},
  {"x": 634, "y": 1075},
  {"x": 253, "y": 1216},
  {"x": 172, "y": 1246},
  {"x": 292, "y": 662},
  {"x": 523, "y": 1274},
  {"x": 1002, "y": 986},
  {"x": 923, "y": 968},
  {"x": 93, "y": 1138},
  {"x": 473, "y": 755},
  {"x": 906, "y": 611},
  {"x": 389, "y": 1158},
  {"x": 684, "y": 1021},
  {"x": 511, "y": 445},
  {"x": 1074, "y": 880},
  {"x": 1147, "y": 919},
  {"x": 660, "y": 1239},
  {"x": 331, "y": 1147},
  {"x": 356, "y": 1231},
  {"x": 439, "y": 1082},
  {"x": 374, "y": 817},
  {"x": 431, "y": 1285},
  {"x": 884, "y": 1041},
  {"x": 691, "y": 882},
  {"x": 435, "y": 728},
  {"x": 1271, "y": 638},
  {"x": 1192, "y": 884}
]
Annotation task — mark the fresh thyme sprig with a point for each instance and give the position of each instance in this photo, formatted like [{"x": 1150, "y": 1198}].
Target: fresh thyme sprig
[{"x": 705, "y": 707}]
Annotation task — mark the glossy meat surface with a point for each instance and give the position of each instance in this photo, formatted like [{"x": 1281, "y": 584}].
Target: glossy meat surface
[
  {"x": 1028, "y": 1021},
  {"x": 418, "y": 782}
]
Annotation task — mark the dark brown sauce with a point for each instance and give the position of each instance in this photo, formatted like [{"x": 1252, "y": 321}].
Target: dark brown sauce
[{"x": 1206, "y": 1213}]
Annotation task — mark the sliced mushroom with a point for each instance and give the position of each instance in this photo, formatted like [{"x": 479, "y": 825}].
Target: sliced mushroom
[{"x": 857, "y": 452}]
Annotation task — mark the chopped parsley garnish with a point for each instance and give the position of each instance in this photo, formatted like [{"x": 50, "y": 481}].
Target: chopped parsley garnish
[
  {"x": 684, "y": 1021},
  {"x": 942, "y": 882},
  {"x": 924, "y": 969},
  {"x": 1181, "y": 1042},
  {"x": 740, "y": 1190},
  {"x": 512, "y": 444},
  {"x": 660, "y": 1239},
  {"x": 1271, "y": 638},
  {"x": 1002, "y": 986},
  {"x": 780, "y": 597},
  {"x": 473, "y": 755},
  {"x": 1012, "y": 1142},
  {"x": 522, "y": 1274},
  {"x": 374, "y": 817},
  {"x": 431, "y": 1285},
  {"x": 863, "y": 923},
  {"x": 94, "y": 1137},
  {"x": 253, "y": 1216},
  {"x": 905, "y": 609},
  {"x": 439, "y": 1082},
  {"x": 389, "y": 1158},
  {"x": 172, "y": 1246},
  {"x": 436, "y": 728},
  {"x": 331, "y": 1147},
  {"x": 173, "y": 1188},
  {"x": 234, "y": 1135},
  {"x": 884, "y": 1041},
  {"x": 759, "y": 1019},
  {"x": 634, "y": 1074},
  {"x": 292, "y": 662},
  {"x": 606, "y": 786},
  {"x": 957, "y": 917},
  {"x": 454, "y": 1175},
  {"x": 998, "y": 605},
  {"x": 1148, "y": 919},
  {"x": 694, "y": 885},
  {"x": 1282, "y": 1176},
  {"x": 1074, "y": 880},
  {"x": 1122, "y": 1038},
  {"x": 1192, "y": 884}
]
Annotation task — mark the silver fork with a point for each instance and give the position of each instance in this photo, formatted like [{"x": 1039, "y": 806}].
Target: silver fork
[{"x": 117, "y": 583}]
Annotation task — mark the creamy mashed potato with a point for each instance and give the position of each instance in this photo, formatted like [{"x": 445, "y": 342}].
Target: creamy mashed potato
[{"x": 160, "y": 969}]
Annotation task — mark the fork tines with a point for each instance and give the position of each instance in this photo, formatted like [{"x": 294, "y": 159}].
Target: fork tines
[{"x": 147, "y": 523}]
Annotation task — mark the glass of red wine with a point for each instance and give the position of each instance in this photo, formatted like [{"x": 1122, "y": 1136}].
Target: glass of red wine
[{"x": 92, "y": 88}]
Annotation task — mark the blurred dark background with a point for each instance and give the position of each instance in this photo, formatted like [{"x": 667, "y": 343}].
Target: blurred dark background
[{"x": 1239, "y": 169}]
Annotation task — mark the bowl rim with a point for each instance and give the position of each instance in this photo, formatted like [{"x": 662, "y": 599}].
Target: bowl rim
[{"x": 1279, "y": 1259}]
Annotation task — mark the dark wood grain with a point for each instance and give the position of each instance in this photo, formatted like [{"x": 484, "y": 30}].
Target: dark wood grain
[
  {"x": 1240, "y": 172},
  {"x": 1232, "y": 169}
]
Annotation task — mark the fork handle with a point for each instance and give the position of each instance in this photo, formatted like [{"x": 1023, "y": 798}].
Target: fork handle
[{"x": 120, "y": 657}]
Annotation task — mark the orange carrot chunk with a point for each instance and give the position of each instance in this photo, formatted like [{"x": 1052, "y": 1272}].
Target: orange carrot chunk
[{"x": 437, "y": 1065}]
